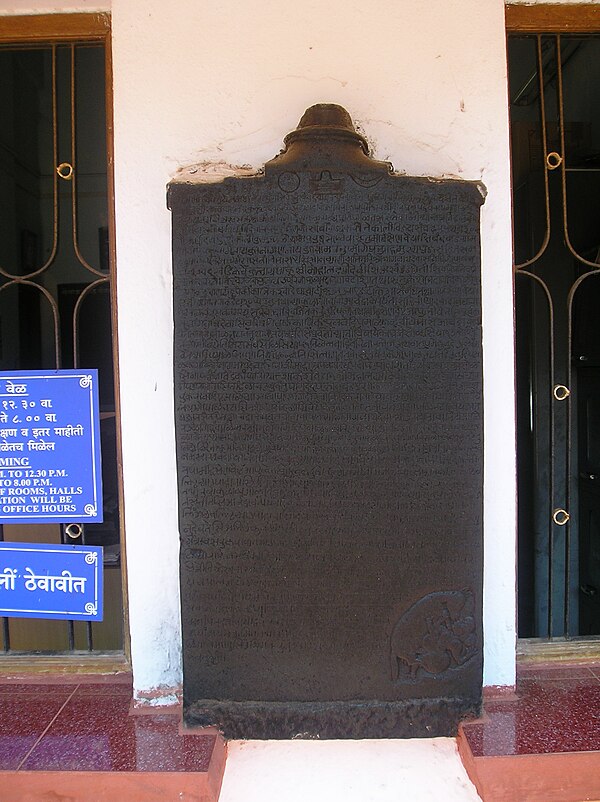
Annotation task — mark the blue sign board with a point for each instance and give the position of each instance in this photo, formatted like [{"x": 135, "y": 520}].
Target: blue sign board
[
  {"x": 50, "y": 467},
  {"x": 40, "y": 580}
]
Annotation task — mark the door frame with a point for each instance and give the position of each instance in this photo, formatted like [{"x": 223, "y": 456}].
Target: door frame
[
  {"x": 554, "y": 18},
  {"x": 59, "y": 29}
]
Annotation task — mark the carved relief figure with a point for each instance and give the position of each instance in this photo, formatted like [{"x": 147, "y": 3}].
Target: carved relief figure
[{"x": 435, "y": 635}]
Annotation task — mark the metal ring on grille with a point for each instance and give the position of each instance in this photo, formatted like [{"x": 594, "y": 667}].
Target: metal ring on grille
[
  {"x": 65, "y": 171},
  {"x": 553, "y": 160},
  {"x": 74, "y": 530},
  {"x": 560, "y": 517},
  {"x": 561, "y": 392}
]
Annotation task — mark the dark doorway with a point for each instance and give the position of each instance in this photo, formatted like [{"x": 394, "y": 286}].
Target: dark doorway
[
  {"x": 55, "y": 278},
  {"x": 554, "y": 85}
]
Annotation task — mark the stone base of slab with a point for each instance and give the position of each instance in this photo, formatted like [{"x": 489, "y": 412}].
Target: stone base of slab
[{"x": 421, "y": 718}]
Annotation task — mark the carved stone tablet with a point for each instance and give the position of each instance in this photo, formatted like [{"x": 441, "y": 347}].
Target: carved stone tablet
[{"x": 329, "y": 444}]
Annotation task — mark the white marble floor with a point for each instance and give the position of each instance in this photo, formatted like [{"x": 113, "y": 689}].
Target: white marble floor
[{"x": 416, "y": 770}]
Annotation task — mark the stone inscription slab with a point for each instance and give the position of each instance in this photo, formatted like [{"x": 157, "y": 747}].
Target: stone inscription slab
[{"x": 329, "y": 444}]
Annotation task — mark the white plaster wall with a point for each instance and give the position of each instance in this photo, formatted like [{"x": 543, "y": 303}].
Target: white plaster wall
[{"x": 224, "y": 80}]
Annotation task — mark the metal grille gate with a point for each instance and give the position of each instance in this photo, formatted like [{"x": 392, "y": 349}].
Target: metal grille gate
[
  {"x": 55, "y": 276},
  {"x": 555, "y": 128}
]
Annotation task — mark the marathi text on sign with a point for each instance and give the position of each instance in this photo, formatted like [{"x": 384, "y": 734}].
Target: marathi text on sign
[
  {"x": 50, "y": 447},
  {"x": 40, "y": 580}
]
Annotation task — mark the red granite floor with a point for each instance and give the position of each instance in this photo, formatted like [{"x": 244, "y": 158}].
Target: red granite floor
[
  {"x": 543, "y": 741},
  {"x": 82, "y": 739},
  {"x": 556, "y": 709}
]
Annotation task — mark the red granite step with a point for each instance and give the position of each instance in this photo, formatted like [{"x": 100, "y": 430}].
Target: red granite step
[
  {"x": 81, "y": 742},
  {"x": 540, "y": 744}
]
